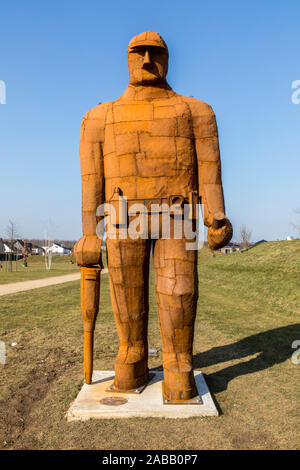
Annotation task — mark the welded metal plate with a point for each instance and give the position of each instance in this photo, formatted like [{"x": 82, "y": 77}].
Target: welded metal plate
[
  {"x": 193, "y": 401},
  {"x": 138, "y": 390}
]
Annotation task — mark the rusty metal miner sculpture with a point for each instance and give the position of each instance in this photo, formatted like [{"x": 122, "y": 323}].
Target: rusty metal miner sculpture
[{"x": 151, "y": 147}]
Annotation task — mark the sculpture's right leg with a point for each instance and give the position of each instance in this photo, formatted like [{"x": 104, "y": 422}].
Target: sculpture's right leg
[
  {"x": 128, "y": 264},
  {"x": 176, "y": 282}
]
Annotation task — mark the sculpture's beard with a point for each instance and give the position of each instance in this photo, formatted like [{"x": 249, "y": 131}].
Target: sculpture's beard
[{"x": 147, "y": 77}]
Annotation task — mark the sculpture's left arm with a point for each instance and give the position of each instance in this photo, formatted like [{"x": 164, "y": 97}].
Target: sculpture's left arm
[
  {"x": 88, "y": 249},
  {"x": 209, "y": 174}
]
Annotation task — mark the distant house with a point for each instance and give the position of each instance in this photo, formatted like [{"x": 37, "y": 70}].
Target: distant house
[
  {"x": 7, "y": 251},
  {"x": 230, "y": 248},
  {"x": 259, "y": 242},
  {"x": 58, "y": 249},
  {"x": 37, "y": 250},
  {"x": 2, "y": 247},
  {"x": 8, "y": 248},
  {"x": 19, "y": 246}
]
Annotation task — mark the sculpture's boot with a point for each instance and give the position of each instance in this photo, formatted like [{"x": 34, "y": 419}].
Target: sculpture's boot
[
  {"x": 179, "y": 383},
  {"x": 176, "y": 289},
  {"x": 131, "y": 369},
  {"x": 128, "y": 264}
]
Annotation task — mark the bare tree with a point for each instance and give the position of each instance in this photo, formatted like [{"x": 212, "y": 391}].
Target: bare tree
[
  {"x": 245, "y": 235},
  {"x": 297, "y": 226},
  {"x": 12, "y": 233}
]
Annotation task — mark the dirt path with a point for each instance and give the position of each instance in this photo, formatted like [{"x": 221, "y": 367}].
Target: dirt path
[{"x": 37, "y": 283}]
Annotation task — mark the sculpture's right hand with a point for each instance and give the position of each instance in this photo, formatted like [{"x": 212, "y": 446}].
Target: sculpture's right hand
[{"x": 87, "y": 251}]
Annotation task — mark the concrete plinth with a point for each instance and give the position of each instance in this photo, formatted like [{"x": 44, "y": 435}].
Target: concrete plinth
[{"x": 94, "y": 401}]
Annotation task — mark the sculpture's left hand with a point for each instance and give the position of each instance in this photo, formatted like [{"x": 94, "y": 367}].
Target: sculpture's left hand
[{"x": 220, "y": 231}]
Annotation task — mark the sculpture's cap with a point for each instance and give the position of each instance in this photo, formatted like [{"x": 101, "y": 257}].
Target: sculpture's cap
[{"x": 148, "y": 38}]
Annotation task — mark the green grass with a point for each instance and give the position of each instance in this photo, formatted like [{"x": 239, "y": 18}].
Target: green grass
[
  {"x": 248, "y": 317},
  {"x": 36, "y": 269}
]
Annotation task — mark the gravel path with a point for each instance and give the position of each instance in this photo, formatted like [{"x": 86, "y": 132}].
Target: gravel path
[{"x": 37, "y": 283}]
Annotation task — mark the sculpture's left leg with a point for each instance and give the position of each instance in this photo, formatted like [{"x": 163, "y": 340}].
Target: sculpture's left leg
[{"x": 177, "y": 292}]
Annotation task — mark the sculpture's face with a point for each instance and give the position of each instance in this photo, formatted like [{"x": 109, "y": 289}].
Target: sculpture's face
[{"x": 148, "y": 65}]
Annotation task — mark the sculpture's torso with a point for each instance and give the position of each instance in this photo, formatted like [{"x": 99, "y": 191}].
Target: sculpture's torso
[{"x": 148, "y": 148}]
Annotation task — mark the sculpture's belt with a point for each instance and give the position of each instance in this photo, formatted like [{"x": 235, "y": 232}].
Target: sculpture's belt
[
  {"x": 173, "y": 204},
  {"x": 156, "y": 205},
  {"x": 153, "y": 205}
]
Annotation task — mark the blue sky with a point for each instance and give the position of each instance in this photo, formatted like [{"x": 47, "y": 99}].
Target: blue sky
[{"x": 60, "y": 58}]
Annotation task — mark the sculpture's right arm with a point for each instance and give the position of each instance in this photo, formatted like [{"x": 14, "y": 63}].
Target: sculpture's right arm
[{"x": 88, "y": 249}]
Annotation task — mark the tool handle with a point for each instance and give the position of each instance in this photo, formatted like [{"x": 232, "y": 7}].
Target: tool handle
[{"x": 90, "y": 291}]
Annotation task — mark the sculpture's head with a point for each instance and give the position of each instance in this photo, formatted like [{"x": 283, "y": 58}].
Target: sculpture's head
[{"x": 147, "y": 59}]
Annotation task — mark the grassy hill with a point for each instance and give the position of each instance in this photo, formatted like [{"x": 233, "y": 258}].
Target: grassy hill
[
  {"x": 248, "y": 317},
  {"x": 264, "y": 279}
]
